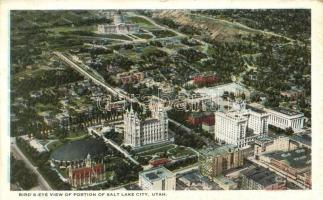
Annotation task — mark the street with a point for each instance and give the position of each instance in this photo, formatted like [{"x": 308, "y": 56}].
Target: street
[{"x": 19, "y": 155}]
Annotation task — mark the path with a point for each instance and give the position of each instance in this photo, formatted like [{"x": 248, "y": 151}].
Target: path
[{"x": 41, "y": 180}]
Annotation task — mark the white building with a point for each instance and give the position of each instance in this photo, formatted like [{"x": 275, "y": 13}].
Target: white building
[
  {"x": 138, "y": 132},
  {"x": 257, "y": 120},
  {"x": 119, "y": 27},
  {"x": 230, "y": 127},
  {"x": 157, "y": 179},
  {"x": 241, "y": 126},
  {"x": 284, "y": 118}
]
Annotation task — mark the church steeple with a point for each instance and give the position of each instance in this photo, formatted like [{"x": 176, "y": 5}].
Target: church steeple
[{"x": 88, "y": 161}]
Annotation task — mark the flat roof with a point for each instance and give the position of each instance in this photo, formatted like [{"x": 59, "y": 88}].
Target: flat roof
[
  {"x": 254, "y": 109},
  {"x": 303, "y": 138},
  {"x": 286, "y": 111},
  {"x": 218, "y": 151},
  {"x": 261, "y": 176},
  {"x": 156, "y": 173},
  {"x": 298, "y": 158}
]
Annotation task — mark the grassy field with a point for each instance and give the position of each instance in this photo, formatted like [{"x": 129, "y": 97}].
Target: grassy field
[
  {"x": 157, "y": 150},
  {"x": 140, "y": 21},
  {"x": 54, "y": 145},
  {"x": 172, "y": 150}
]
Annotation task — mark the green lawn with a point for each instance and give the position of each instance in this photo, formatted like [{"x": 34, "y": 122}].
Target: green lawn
[
  {"x": 140, "y": 21},
  {"x": 156, "y": 150},
  {"x": 181, "y": 151},
  {"x": 54, "y": 145}
]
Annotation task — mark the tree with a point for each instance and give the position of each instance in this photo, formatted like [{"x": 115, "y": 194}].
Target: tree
[{"x": 289, "y": 131}]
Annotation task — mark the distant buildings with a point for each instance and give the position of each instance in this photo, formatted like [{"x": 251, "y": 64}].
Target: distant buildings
[
  {"x": 91, "y": 173},
  {"x": 139, "y": 132},
  {"x": 213, "y": 162},
  {"x": 259, "y": 178},
  {"x": 119, "y": 27},
  {"x": 205, "y": 79},
  {"x": 130, "y": 77},
  {"x": 218, "y": 91},
  {"x": 197, "y": 118},
  {"x": 157, "y": 179}
]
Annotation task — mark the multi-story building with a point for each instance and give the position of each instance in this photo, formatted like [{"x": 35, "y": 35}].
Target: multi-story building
[
  {"x": 152, "y": 130},
  {"x": 230, "y": 128},
  {"x": 284, "y": 118},
  {"x": 213, "y": 162},
  {"x": 158, "y": 178},
  {"x": 242, "y": 126},
  {"x": 270, "y": 144},
  {"x": 257, "y": 120},
  {"x": 296, "y": 164},
  {"x": 259, "y": 178}
]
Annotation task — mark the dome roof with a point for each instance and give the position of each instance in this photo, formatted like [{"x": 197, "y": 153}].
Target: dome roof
[{"x": 79, "y": 150}]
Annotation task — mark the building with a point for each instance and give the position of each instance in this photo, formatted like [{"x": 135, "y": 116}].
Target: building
[
  {"x": 225, "y": 183},
  {"x": 139, "y": 132},
  {"x": 271, "y": 144},
  {"x": 257, "y": 120},
  {"x": 240, "y": 126},
  {"x": 208, "y": 126},
  {"x": 218, "y": 91},
  {"x": 157, "y": 179},
  {"x": 119, "y": 27},
  {"x": 230, "y": 128},
  {"x": 259, "y": 178},
  {"x": 284, "y": 118},
  {"x": 213, "y": 162},
  {"x": 295, "y": 164},
  {"x": 91, "y": 173},
  {"x": 130, "y": 77},
  {"x": 205, "y": 79},
  {"x": 197, "y": 118}
]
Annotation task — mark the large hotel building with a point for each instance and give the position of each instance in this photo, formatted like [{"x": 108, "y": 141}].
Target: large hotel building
[
  {"x": 242, "y": 126},
  {"x": 138, "y": 132}
]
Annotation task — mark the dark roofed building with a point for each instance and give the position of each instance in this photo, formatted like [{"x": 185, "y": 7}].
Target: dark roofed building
[
  {"x": 259, "y": 178},
  {"x": 78, "y": 150}
]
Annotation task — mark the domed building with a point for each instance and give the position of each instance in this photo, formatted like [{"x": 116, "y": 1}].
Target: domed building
[{"x": 75, "y": 152}]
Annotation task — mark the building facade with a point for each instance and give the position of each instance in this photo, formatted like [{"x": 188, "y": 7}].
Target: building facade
[
  {"x": 216, "y": 161},
  {"x": 139, "y": 132},
  {"x": 284, "y": 118},
  {"x": 241, "y": 125},
  {"x": 230, "y": 127},
  {"x": 119, "y": 27},
  {"x": 91, "y": 173},
  {"x": 158, "y": 178},
  {"x": 259, "y": 178}
]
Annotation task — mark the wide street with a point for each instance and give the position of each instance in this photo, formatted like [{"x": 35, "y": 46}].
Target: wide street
[{"x": 20, "y": 156}]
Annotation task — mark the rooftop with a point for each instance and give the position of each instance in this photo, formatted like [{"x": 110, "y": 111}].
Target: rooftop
[
  {"x": 298, "y": 158},
  {"x": 262, "y": 176},
  {"x": 218, "y": 151},
  {"x": 157, "y": 173},
  {"x": 232, "y": 115},
  {"x": 254, "y": 109},
  {"x": 286, "y": 111},
  {"x": 302, "y": 138}
]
